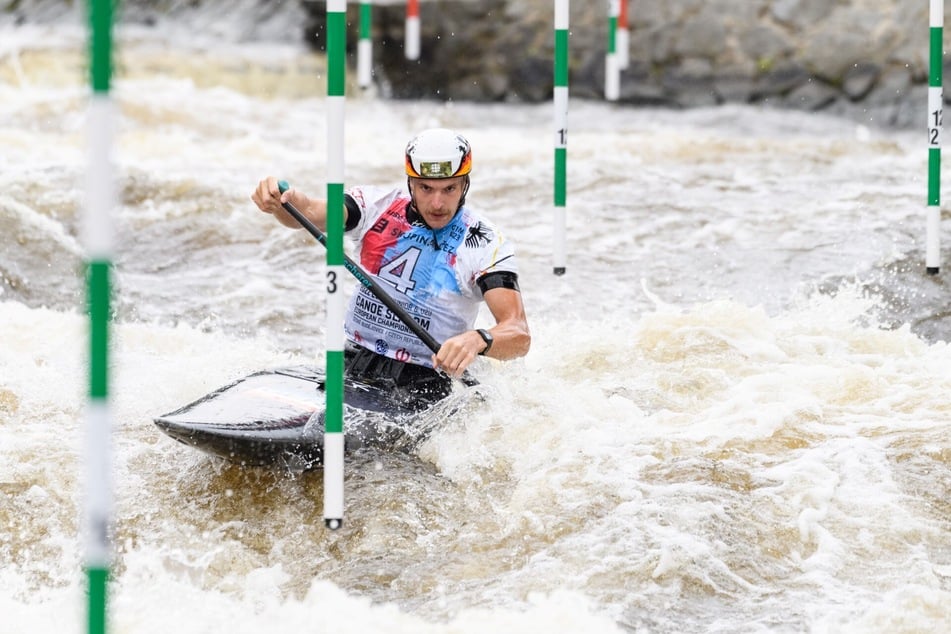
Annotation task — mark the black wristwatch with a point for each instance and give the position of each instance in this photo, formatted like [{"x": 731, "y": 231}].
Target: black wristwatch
[{"x": 487, "y": 338}]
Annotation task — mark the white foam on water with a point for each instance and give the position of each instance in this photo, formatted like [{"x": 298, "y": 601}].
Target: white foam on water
[{"x": 714, "y": 431}]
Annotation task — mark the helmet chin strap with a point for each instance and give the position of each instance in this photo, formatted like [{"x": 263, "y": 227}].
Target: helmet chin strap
[{"x": 465, "y": 190}]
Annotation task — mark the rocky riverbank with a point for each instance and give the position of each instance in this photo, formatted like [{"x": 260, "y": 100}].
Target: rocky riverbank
[
  {"x": 867, "y": 58},
  {"x": 864, "y": 57}
]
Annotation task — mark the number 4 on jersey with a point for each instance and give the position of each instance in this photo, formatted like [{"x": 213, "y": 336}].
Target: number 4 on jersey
[{"x": 399, "y": 271}]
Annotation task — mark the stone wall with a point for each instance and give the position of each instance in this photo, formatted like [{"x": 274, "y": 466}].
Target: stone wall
[{"x": 868, "y": 57}]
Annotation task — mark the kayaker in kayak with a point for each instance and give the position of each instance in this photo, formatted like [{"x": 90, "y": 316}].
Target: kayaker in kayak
[{"x": 439, "y": 258}]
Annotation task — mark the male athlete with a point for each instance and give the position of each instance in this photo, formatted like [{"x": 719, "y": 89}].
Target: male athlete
[{"x": 438, "y": 258}]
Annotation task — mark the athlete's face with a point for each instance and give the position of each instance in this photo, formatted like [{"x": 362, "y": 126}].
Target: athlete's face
[{"x": 437, "y": 199}]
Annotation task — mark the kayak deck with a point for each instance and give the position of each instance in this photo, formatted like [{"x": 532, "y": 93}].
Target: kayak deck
[{"x": 276, "y": 418}]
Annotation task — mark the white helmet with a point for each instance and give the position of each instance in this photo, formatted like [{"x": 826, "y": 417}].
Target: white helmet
[{"x": 438, "y": 153}]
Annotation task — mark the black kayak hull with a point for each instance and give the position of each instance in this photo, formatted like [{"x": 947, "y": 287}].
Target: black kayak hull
[{"x": 276, "y": 418}]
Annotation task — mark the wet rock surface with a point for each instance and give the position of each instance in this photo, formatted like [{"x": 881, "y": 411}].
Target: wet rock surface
[{"x": 868, "y": 58}]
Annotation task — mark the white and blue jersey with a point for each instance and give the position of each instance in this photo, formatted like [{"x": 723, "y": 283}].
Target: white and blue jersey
[{"x": 432, "y": 274}]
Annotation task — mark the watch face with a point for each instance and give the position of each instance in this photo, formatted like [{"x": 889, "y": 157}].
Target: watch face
[{"x": 487, "y": 338}]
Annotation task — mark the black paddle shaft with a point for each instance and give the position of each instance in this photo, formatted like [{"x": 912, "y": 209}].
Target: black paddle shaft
[{"x": 362, "y": 276}]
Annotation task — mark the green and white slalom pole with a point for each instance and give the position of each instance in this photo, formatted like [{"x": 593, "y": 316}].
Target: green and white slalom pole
[
  {"x": 411, "y": 35},
  {"x": 365, "y": 45},
  {"x": 623, "y": 41},
  {"x": 612, "y": 70},
  {"x": 935, "y": 108},
  {"x": 333, "y": 421},
  {"x": 98, "y": 242},
  {"x": 560, "y": 98}
]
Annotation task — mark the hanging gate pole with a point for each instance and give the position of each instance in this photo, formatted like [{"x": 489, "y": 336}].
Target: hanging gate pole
[
  {"x": 98, "y": 242},
  {"x": 560, "y": 98},
  {"x": 333, "y": 420},
  {"x": 935, "y": 107}
]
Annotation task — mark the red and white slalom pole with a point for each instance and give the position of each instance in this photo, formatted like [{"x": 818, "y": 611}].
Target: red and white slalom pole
[
  {"x": 623, "y": 38},
  {"x": 365, "y": 45},
  {"x": 412, "y": 30}
]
